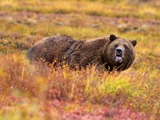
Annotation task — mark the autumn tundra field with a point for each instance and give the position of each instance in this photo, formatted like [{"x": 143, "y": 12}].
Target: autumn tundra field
[{"x": 41, "y": 92}]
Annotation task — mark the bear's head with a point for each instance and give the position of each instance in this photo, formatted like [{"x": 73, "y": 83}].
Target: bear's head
[{"x": 119, "y": 53}]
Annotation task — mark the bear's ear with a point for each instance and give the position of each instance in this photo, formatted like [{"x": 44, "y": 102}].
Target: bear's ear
[
  {"x": 134, "y": 42},
  {"x": 112, "y": 37}
]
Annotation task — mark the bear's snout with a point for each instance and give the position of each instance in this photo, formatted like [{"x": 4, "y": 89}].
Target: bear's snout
[
  {"x": 119, "y": 55},
  {"x": 119, "y": 52}
]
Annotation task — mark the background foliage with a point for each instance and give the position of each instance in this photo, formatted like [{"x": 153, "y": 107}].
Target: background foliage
[{"x": 41, "y": 92}]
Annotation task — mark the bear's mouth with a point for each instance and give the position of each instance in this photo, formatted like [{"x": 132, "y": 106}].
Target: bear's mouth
[{"x": 118, "y": 59}]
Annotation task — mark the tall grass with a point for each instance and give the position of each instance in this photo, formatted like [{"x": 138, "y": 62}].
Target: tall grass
[{"x": 20, "y": 81}]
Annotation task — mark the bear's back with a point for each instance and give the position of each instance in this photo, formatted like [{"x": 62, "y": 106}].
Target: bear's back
[{"x": 52, "y": 48}]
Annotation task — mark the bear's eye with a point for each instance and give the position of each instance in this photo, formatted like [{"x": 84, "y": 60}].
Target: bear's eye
[
  {"x": 116, "y": 45},
  {"x": 126, "y": 47}
]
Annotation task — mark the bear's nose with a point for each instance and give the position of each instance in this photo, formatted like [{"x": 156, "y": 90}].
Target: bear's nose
[{"x": 119, "y": 52}]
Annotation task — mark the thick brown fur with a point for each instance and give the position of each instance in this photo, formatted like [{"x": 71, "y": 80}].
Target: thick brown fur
[{"x": 76, "y": 53}]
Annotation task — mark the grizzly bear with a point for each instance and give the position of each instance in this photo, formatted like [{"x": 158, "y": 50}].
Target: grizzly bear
[{"x": 110, "y": 53}]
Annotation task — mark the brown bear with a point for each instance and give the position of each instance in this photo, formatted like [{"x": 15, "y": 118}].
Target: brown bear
[{"x": 107, "y": 52}]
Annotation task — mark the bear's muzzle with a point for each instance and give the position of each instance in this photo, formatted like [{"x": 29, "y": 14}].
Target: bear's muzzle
[{"x": 119, "y": 54}]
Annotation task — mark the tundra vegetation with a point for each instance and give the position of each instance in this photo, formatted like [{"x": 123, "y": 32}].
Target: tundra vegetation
[{"x": 39, "y": 92}]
